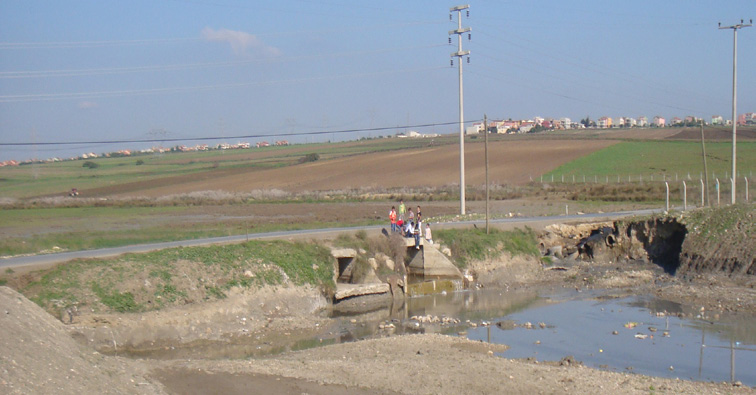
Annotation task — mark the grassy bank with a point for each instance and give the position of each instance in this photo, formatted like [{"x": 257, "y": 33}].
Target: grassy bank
[
  {"x": 474, "y": 244},
  {"x": 720, "y": 240},
  {"x": 173, "y": 277}
]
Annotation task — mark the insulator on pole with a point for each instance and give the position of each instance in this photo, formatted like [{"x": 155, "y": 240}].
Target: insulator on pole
[
  {"x": 468, "y": 60},
  {"x": 449, "y": 40},
  {"x": 469, "y": 36},
  {"x": 468, "y": 13},
  {"x": 452, "y": 62},
  {"x": 450, "y": 17}
]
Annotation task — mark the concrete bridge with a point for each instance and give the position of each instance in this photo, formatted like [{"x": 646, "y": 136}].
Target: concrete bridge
[{"x": 427, "y": 270}]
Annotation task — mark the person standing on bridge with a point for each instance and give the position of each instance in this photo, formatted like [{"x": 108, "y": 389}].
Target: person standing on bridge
[
  {"x": 428, "y": 235},
  {"x": 402, "y": 209},
  {"x": 392, "y": 218},
  {"x": 416, "y": 235},
  {"x": 419, "y": 220}
]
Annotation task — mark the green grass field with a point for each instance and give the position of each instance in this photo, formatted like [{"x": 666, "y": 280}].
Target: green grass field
[{"x": 657, "y": 159}]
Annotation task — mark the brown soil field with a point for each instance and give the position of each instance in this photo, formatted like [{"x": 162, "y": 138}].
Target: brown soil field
[
  {"x": 713, "y": 134},
  {"x": 510, "y": 162}
]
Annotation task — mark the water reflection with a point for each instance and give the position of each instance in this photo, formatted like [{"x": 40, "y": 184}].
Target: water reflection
[
  {"x": 636, "y": 334},
  {"x": 641, "y": 335}
]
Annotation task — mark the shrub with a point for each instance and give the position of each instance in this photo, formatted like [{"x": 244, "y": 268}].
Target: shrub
[
  {"x": 139, "y": 162},
  {"x": 90, "y": 164},
  {"x": 309, "y": 158}
]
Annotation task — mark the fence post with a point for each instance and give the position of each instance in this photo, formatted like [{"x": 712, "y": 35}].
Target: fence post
[
  {"x": 732, "y": 185},
  {"x": 685, "y": 196},
  {"x": 746, "y": 186},
  {"x": 667, "y": 200},
  {"x": 703, "y": 201},
  {"x": 717, "y": 191}
]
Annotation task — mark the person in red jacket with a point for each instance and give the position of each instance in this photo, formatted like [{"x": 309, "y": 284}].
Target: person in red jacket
[{"x": 392, "y": 218}]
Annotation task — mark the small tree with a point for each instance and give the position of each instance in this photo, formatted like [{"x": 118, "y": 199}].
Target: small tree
[{"x": 90, "y": 164}]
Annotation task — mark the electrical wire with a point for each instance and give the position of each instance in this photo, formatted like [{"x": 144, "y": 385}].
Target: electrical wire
[
  {"x": 186, "y": 89},
  {"x": 248, "y": 136},
  {"x": 185, "y": 66}
]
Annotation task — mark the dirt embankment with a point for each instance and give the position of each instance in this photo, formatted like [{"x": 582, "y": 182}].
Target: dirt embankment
[
  {"x": 704, "y": 258},
  {"x": 40, "y": 357}
]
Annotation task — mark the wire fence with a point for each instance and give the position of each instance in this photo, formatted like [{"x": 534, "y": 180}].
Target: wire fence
[{"x": 689, "y": 188}]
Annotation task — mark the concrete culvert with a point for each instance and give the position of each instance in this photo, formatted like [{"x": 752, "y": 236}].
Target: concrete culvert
[{"x": 611, "y": 240}]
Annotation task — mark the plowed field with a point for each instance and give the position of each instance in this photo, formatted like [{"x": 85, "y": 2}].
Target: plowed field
[{"x": 510, "y": 162}]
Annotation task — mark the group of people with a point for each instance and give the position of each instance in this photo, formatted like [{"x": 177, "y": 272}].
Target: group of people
[{"x": 409, "y": 224}]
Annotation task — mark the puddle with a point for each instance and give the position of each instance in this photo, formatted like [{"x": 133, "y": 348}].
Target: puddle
[
  {"x": 649, "y": 339},
  {"x": 582, "y": 325}
]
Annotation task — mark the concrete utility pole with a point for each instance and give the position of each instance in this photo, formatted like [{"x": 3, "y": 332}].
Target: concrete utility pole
[
  {"x": 459, "y": 54},
  {"x": 735, "y": 96},
  {"x": 485, "y": 131}
]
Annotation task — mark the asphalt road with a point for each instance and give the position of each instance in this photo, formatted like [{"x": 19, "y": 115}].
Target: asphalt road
[{"x": 50, "y": 259}]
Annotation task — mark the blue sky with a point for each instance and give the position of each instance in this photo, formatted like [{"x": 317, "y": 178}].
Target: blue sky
[{"x": 92, "y": 71}]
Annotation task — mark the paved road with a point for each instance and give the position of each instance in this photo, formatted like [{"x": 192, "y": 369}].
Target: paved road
[{"x": 49, "y": 259}]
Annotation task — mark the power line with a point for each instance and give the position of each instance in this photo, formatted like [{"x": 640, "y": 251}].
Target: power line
[
  {"x": 174, "y": 67},
  {"x": 249, "y": 136},
  {"x": 153, "y": 41},
  {"x": 136, "y": 92}
]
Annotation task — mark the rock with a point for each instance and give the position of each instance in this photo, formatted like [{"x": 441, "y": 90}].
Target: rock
[
  {"x": 506, "y": 325},
  {"x": 390, "y": 264},
  {"x": 373, "y": 263},
  {"x": 446, "y": 251},
  {"x": 343, "y": 252},
  {"x": 555, "y": 251},
  {"x": 248, "y": 274}
]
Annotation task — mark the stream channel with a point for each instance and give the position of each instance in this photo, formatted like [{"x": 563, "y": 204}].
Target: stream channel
[{"x": 634, "y": 334}]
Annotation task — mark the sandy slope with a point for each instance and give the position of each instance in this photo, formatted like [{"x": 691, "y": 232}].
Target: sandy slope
[{"x": 40, "y": 357}]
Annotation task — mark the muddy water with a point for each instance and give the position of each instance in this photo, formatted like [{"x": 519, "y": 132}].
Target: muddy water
[
  {"x": 636, "y": 334},
  {"x": 631, "y": 334}
]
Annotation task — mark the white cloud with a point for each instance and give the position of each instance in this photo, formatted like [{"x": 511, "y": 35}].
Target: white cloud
[
  {"x": 240, "y": 41},
  {"x": 84, "y": 105}
]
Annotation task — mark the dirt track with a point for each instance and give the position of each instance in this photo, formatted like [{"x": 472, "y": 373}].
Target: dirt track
[{"x": 510, "y": 162}]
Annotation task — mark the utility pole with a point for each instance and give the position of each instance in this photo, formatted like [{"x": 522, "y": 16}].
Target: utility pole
[
  {"x": 485, "y": 130},
  {"x": 735, "y": 96},
  {"x": 706, "y": 169},
  {"x": 459, "y": 54}
]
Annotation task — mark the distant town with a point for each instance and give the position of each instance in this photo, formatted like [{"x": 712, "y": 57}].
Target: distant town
[{"x": 508, "y": 126}]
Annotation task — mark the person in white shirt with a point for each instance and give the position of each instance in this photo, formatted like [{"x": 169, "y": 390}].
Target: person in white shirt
[
  {"x": 428, "y": 236},
  {"x": 409, "y": 229}
]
